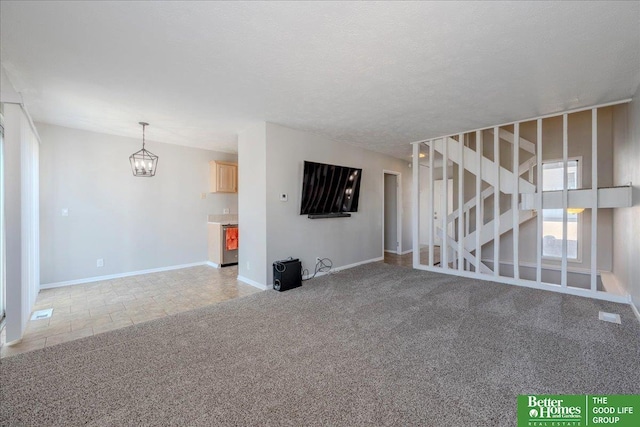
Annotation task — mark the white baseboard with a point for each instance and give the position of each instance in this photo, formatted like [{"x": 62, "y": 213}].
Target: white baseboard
[
  {"x": 552, "y": 267},
  {"x": 396, "y": 252},
  {"x": 611, "y": 283},
  {"x": 345, "y": 267},
  {"x": 252, "y": 283},
  {"x": 355, "y": 264},
  {"x": 213, "y": 264},
  {"x": 119, "y": 275},
  {"x": 569, "y": 290},
  {"x": 333, "y": 270},
  {"x": 634, "y": 307}
]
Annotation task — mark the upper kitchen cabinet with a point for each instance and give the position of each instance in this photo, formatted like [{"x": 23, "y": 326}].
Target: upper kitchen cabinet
[{"x": 223, "y": 177}]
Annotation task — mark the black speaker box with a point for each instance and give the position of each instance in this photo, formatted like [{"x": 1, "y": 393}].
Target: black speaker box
[{"x": 287, "y": 274}]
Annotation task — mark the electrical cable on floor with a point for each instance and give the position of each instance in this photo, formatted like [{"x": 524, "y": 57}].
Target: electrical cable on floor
[{"x": 323, "y": 265}]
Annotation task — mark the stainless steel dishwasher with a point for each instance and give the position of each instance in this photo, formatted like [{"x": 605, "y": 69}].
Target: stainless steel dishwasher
[{"x": 229, "y": 256}]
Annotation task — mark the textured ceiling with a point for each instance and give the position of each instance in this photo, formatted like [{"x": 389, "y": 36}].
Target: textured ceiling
[{"x": 374, "y": 74}]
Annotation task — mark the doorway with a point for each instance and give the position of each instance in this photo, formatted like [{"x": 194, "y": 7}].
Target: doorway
[
  {"x": 3, "y": 293},
  {"x": 439, "y": 209},
  {"x": 392, "y": 213}
]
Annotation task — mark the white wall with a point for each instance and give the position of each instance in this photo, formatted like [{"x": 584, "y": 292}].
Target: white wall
[
  {"x": 7, "y": 90},
  {"x": 132, "y": 223},
  {"x": 345, "y": 241},
  {"x": 3, "y": 276},
  {"x": 21, "y": 212},
  {"x": 252, "y": 206},
  {"x": 626, "y": 229}
]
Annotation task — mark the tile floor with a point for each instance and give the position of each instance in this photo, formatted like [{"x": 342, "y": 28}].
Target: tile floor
[
  {"x": 406, "y": 260},
  {"x": 88, "y": 309}
]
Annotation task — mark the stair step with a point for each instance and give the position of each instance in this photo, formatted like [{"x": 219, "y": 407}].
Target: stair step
[
  {"x": 525, "y": 144},
  {"x": 486, "y": 231},
  {"x": 487, "y": 167},
  {"x": 465, "y": 253}
]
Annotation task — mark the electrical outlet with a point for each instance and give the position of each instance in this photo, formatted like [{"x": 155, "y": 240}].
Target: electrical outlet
[
  {"x": 100, "y": 262},
  {"x": 225, "y": 210},
  {"x": 203, "y": 195},
  {"x": 65, "y": 211}
]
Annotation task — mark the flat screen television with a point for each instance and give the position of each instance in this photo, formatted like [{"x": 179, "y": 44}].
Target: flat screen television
[{"x": 329, "y": 190}]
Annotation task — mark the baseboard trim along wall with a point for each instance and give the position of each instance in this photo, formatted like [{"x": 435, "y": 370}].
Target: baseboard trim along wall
[
  {"x": 634, "y": 307},
  {"x": 553, "y": 267},
  {"x": 569, "y": 290},
  {"x": 119, "y": 275},
  {"x": 611, "y": 284},
  {"x": 212, "y": 264},
  {"x": 609, "y": 281},
  {"x": 252, "y": 283},
  {"x": 396, "y": 252},
  {"x": 345, "y": 267},
  {"x": 333, "y": 270}
]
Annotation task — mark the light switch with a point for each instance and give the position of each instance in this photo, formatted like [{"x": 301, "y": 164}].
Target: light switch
[
  {"x": 65, "y": 212},
  {"x": 284, "y": 197},
  {"x": 203, "y": 195}
]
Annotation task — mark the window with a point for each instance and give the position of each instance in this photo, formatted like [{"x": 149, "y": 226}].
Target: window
[{"x": 552, "y": 180}]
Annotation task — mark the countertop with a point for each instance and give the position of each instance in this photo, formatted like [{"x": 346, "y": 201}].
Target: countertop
[{"x": 224, "y": 219}]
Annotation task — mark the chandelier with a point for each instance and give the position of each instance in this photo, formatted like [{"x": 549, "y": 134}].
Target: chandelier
[{"x": 143, "y": 162}]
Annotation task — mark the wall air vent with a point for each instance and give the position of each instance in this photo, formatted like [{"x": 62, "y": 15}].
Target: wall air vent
[{"x": 42, "y": 314}]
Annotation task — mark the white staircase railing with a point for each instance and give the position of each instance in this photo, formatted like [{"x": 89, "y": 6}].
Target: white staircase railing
[
  {"x": 478, "y": 166},
  {"x": 455, "y": 149},
  {"x": 465, "y": 252},
  {"x": 487, "y": 192}
]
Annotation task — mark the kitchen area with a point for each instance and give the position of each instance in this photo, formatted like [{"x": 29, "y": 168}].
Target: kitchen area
[
  {"x": 223, "y": 240},
  {"x": 222, "y": 228}
]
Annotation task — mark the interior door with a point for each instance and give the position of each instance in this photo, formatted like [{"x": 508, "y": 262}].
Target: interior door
[
  {"x": 439, "y": 209},
  {"x": 425, "y": 201}
]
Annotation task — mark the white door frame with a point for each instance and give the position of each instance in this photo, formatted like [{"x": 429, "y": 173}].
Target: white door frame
[
  {"x": 398, "y": 209},
  {"x": 3, "y": 293}
]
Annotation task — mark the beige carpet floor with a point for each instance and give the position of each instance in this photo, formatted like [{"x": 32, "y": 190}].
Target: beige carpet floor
[{"x": 373, "y": 345}]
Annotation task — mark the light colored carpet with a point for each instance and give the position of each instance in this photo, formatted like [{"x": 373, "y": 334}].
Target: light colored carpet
[{"x": 373, "y": 345}]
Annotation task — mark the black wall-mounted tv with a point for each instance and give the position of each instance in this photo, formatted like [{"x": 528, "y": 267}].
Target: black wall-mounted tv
[{"x": 329, "y": 190}]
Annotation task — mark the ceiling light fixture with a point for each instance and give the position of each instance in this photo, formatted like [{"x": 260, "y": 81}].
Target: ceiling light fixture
[
  {"x": 575, "y": 210},
  {"x": 143, "y": 162}
]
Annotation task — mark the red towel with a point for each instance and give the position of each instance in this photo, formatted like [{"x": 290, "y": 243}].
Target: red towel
[{"x": 232, "y": 239}]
